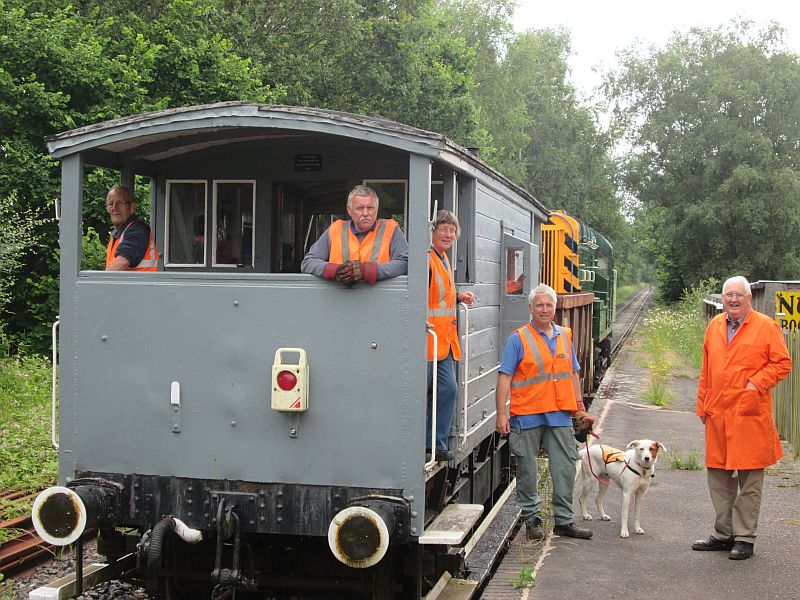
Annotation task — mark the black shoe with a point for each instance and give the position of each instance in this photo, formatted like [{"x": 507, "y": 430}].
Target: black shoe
[
  {"x": 444, "y": 455},
  {"x": 741, "y": 551},
  {"x": 712, "y": 543},
  {"x": 534, "y": 531},
  {"x": 569, "y": 530}
]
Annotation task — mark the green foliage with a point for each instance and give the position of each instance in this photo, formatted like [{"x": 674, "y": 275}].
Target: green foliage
[
  {"x": 673, "y": 340},
  {"x": 658, "y": 392},
  {"x": 61, "y": 69},
  {"x": 94, "y": 251},
  {"x": 526, "y": 579},
  {"x": 27, "y": 459},
  {"x": 689, "y": 461},
  {"x": 712, "y": 122},
  {"x": 16, "y": 239}
]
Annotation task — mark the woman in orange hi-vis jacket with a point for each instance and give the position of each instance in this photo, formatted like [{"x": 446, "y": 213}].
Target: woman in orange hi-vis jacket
[
  {"x": 744, "y": 357},
  {"x": 441, "y": 315}
]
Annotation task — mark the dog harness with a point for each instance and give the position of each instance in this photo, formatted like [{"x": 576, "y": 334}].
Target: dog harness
[{"x": 614, "y": 455}]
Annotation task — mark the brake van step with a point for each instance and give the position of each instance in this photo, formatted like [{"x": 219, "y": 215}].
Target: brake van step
[
  {"x": 450, "y": 588},
  {"x": 453, "y": 525}
]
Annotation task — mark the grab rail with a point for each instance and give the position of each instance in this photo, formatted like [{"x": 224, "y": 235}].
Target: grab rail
[
  {"x": 54, "y": 337},
  {"x": 463, "y": 441},
  {"x": 435, "y": 367}
]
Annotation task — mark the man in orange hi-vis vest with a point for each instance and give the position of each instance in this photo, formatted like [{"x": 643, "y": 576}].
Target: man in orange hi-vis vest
[
  {"x": 132, "y": 246},
  {"x": 539, "y": 369},
  {"x": 363, "y": 249},
  {"x": 744, "y": 357}
]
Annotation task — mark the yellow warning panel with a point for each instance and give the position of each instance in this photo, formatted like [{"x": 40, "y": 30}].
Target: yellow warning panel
[{"x": 787, "y": 309}]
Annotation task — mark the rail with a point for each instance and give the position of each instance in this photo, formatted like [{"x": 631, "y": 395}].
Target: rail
[
  {"x": 22, "y": 548},
  {"x": 465, "y": 354},
  {"x": 434, "y": 382},
  {"x": 54, "y": 384},
  {"x": 637, "y": 303}
]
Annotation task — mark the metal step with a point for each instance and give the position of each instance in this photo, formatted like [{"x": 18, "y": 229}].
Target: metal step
[
  {"x": 64, "y": 588},
  {"x": 452, "y": 525},
  {"x": 450, "y": 588}
]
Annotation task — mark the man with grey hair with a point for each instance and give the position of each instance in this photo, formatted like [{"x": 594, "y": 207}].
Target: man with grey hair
[
  {"x": 363, "y": 249},
  {"x": 744, "y": 357},
  {"x": 539, "y": 369}
]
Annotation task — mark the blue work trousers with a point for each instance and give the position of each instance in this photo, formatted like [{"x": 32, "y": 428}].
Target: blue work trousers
[
  {"x": 446, "y": 396},
  {"x": 562, "y": 454}
]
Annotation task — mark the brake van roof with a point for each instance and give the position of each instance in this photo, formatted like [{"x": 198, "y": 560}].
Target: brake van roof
[{"x": 162, "y": 135}]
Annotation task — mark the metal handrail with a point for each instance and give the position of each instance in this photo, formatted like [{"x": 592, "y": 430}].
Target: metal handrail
[
  {"x": 54, "y": 336},
  {"x": 434, "y": 382},
  {"x": 466, "y": 374}
]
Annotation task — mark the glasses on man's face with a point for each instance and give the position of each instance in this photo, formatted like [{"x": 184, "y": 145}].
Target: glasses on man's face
[
  {"x": 110, "y": 205},
  {"x": 733, "y": 295}
]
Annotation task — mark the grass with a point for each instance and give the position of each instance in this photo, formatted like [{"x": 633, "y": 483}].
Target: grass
[
  {"x": 658, "y": 391},
  {"x": 28, "y": 461},
  {"x": 690, "y": 461},
  {"x": 673, "y": 342},
  {"x": 525, "y": 579}
]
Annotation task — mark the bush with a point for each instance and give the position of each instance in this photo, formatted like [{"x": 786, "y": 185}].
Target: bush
[{"x": 27, "y": 459}]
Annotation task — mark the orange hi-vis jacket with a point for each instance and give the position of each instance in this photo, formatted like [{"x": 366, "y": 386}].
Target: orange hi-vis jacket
[
  {"x": 441, "y": 314},
  {"x": 543, "y": 382},
  {"x": 373, "y": 248},
  {"x": 150, "y": 260},
  {"x": 740, "y": 430}
]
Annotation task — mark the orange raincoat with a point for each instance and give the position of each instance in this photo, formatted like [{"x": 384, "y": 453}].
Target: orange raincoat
[{"x": 740, "y": 431}]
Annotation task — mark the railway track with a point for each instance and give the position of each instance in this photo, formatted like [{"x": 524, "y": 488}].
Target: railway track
[
  {"x": 21, "y": 548},
  {"x": 628, "y": 316}
]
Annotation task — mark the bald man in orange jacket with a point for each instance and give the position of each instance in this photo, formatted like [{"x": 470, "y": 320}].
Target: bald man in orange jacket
[{"x": 744, "y": 357}]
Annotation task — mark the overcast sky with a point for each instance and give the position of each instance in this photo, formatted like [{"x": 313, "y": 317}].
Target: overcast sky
[{"x": 599, "y": 29}]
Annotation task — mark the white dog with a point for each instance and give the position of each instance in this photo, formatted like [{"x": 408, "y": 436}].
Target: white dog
[{"x": 632, "y": 470}]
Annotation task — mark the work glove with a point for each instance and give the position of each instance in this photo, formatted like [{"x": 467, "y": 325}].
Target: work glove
[
  {"x": 351, "y": 272},
  {"x": 582, "y": 422},
  {"x": 369, "y": 271},
  {"x": 357, "y": 271},
  {"x": 329, "y": 272},
  {"x": 346, "y": 274}
]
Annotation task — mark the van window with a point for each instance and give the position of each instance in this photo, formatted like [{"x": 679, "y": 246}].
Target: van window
[
  {"x": 186, "y": 225},
  {"x": 234, "y": 223}
]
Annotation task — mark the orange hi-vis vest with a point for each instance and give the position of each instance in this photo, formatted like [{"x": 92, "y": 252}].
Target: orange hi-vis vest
[
  {"x": 543, "y": 382},
  {"x": 373, "y": 248},
  {"x": 442, "y": 308},
  {"x": 150, "y": 260}
]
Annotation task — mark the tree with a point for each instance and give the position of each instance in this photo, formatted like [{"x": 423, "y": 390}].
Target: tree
[
  {"x": 390, "y": 58},
  {"x": 713, "y": 130},
  {"x": 540, "y": 134},
  {"x": 59, "y": 70},
  {"x": 500, "y": 90},
  {"x": 567, "y": 161}
]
